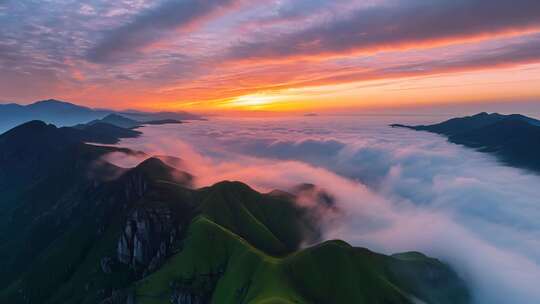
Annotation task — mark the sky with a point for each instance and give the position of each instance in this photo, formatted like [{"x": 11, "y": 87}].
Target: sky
[{"x": 270, "y": 55}]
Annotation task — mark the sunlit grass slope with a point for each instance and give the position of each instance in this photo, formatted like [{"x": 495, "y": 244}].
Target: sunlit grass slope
[{"x": 331, "y": 272}]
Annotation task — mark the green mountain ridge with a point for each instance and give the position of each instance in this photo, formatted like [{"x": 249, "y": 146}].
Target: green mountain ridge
[
  {"x": 77, "y": 229},
  {"x": 331, "y": 272}
]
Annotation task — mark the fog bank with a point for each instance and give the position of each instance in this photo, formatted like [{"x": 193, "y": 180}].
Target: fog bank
[{"x": 400, "y": 190}]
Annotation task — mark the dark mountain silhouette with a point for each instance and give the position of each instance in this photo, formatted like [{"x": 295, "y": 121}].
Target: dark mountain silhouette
[
  {"x": 105, "y": 133},
  {"x": 127, "y": 123},
  {"x": 515, "y": 138},
  {"x": 37, "y": 153},
  {"x": 77, "y": 229},
  {"x": 159, "y": 116},
  {"x": 163, "y": 122},
  {"x": 40, "y": 134},
  {"x": 117, "y": 120},
  {"x": 62, "y": 113}
]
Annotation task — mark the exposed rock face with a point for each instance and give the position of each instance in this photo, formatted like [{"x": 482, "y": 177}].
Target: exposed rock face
[
  {"x": 186, "y": 297},
  {"x": 135, "y": 187},
  {"x": 152, "y": 227},
  {"x": 147, "y": 238}
]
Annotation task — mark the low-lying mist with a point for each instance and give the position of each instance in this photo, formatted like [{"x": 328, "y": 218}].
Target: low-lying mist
[{"x": 399, "y": 190}]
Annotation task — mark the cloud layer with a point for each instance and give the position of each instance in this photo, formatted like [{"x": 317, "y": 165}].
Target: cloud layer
[
  {"x": 399, "y": 24},
  {"x": 400, "y": 190}
]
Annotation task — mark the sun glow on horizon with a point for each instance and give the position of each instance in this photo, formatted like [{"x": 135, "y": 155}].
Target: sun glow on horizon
[
  {"x": 257, "y": 101},
  {"x": 511, "y": 84}
]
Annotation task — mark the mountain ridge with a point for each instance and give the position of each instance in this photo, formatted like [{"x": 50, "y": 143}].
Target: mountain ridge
[
  {"x": 145, "y": 235},
  {"x": 514, "y": 139},
  {"x": 64, "y": 113}
]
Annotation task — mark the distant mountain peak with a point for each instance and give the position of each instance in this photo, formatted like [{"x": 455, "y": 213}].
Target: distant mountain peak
[
  {"x": 482, "y": 114},
  {"x": 55, "y": 104},
  {"x": 116, "y": 120},
  {"x": 114, "y": 115},
  {"x": 52, "y": 102}
]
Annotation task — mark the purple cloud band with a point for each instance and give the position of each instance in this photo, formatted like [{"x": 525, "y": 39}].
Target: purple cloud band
[
  {"x": 392, "y": 26},
  {"x": 153, "y": 24}
]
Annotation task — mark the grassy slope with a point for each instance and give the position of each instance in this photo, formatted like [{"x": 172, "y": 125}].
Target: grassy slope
[
  {"x": 332, "y": 272},
  {"x": 208, "y": 248},
  {"x": 271, "y": 224}
]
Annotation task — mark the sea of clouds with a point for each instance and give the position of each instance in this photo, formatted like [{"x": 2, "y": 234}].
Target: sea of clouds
[{"x": 399, "y": 190}]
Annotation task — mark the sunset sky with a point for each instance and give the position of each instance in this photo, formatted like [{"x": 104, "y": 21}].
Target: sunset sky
[{"x": 270, "y": 55}]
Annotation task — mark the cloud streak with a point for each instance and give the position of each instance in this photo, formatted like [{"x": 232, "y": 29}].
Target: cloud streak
[
  {"x": 395, "y": 26},
  {"x": 153, "y": 24},
  {"x": 253, "y": 77}
]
